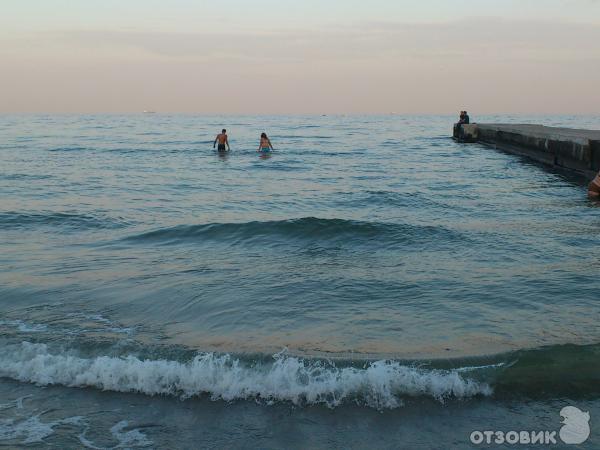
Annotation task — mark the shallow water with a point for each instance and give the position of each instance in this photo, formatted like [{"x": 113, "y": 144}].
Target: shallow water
[{"x": 369, "y": 263}]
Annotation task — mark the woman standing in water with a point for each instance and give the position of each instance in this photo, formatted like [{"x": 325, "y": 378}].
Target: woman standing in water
[{"x": 265, "y": 143}]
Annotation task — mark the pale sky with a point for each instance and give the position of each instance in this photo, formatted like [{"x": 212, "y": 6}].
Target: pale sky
[{"x": 300, "y": 56}]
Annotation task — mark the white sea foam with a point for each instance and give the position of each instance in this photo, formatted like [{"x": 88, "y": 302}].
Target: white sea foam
[
  {"x": 474, "y": 368},
  {"x": 99, "y": 319},
  {"x": 31, "y": 429},
  {"x": 380, "y": 384},
  {"x": 24, "y": 327},
  {"x": 126, "y": 438},
  {"x": 17, "y": 403}
]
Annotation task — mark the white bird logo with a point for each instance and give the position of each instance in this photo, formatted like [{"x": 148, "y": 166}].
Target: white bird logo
[{"x": 576, "y": 428}]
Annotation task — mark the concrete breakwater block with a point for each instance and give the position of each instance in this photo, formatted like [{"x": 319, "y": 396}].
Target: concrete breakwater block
[
  {"x": 572, "y": 149},
  {"x": 466, "y": 132}
]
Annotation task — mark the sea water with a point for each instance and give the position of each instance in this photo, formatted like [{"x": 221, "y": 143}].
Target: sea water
[{"x": 369, "y": 283}]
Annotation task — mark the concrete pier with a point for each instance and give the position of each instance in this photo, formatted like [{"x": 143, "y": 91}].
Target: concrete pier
[{"x": 575, "y": 150}]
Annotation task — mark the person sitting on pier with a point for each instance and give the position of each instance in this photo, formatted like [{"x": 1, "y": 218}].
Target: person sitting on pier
[
  {"x": 594, "y": 187},
  {"x": 465, "y": 118}
]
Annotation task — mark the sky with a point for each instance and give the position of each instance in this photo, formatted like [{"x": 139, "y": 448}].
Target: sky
[{"x": 300, "y": 56}]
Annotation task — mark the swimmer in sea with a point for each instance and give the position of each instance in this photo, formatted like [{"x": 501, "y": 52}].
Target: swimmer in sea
[
  {"x": 265, "y": 143},
  {"x": 222, "y": 139},
  {"x": 594, "y": 187}
]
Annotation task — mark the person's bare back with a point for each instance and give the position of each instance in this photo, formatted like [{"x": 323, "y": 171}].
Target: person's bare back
[
  {"x": 265, "y": 143},
  {"x": 222, "y": 140}
]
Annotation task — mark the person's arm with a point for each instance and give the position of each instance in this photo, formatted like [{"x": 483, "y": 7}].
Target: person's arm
[
  {"x": 227, "y": 142},
  {"x": 259, "y": 146},
  {"x": 215, "y": 143},
  {"x": 271, "y": 145}
]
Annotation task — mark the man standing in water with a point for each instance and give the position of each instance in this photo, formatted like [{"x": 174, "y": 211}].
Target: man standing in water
[{"x": 223, "y": 141}]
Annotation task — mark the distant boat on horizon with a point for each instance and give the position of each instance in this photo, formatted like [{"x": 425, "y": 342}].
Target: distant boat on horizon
[{"x": 149, "y": 112}]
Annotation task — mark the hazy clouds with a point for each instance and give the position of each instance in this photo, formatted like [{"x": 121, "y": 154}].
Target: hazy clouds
[{"x": 377, "y": 64}]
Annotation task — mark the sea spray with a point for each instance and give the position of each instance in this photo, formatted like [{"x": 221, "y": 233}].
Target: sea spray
[{"x": 379, "y": 384}]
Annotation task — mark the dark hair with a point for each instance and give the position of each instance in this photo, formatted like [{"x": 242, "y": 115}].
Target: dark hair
[
  {"x": 263, "y": 135},
  {"x": 223, "y": 130}
]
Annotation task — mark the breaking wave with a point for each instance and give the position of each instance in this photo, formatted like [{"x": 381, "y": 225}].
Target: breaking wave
[{"x": 380, "y": 384}]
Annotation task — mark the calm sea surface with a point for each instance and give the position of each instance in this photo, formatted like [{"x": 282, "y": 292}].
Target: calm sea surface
[{"x": 368, "y": 275}]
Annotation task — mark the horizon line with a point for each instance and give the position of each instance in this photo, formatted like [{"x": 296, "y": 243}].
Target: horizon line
[{"x": 207, "y": 114}]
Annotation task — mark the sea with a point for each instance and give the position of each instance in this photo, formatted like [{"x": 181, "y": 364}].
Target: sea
[{"x": 368, "y": 284}]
